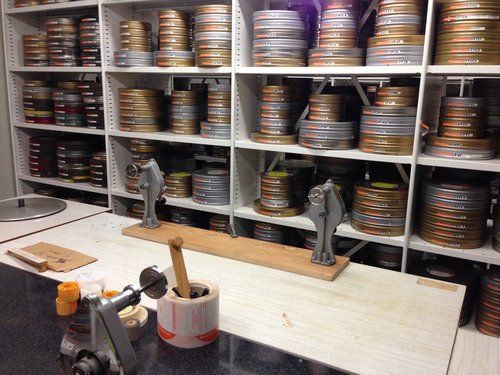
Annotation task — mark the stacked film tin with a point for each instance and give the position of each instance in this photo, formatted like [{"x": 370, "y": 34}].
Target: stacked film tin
[
  {"x": 343, "y": 172},
  {"x": 325, "y": 127},
  {"x": 275, "y": 116},
  {"x": 36, "y": 50},
  {"x": 490, "y": 89},
  {"x": 212, "y": 35},
  {"x": 174, "y": 39},
  {"x": 94, "y": 103},
  {"x": 280, "y": 38},
  {"x": 218, "y": 124},
  {"x": 43, "y": 157},
  {"x": 277, "y": 195},
  {"x": 142, "y": 110},
  {"x": 136, "y": 210},
  {"x": 270, "y": 232},
  {"x": 98, "y": 171},
  {"x": 341, "y": 244},
  {"x": 218, "y": 223},
  {"x": 68, "y": 105},
  {"x": 38, "y": 106},
  {"x": 73, "y": 161},
  {"x": 184, "y": 216},
  {"x": 488, "y": 307},
  {"x": 136, "y": 46},
  {"x": 176, "y": 157},
  {"x": 385, "y": 256},
  {"x": 178, "y": 185},
  {"x": 27, "y": 3},
  {"x": 186, "y": 111},
  {"x": 453, "y": 214},
  {"x": 338, "y": 36},
  {"x": 379, "y": 207},
  {"x": 461, "y": 130},
  {"x": 398, "y": 39},
  {"x": 141, "y": 151},
  {"x": 314, "y": 18},
  {"x": 389, "y": 126},
  {"x": 63, "y": 36},
  {"x": 211, "y": 186},
  {"x": 467, "y": 33},
  {"x": 90, "y": 41},
  {"x": 303, "y": 172},
  {"x": 311, "y": 239}
]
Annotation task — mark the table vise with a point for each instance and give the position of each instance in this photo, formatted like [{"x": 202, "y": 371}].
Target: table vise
[
  {"x": 327, "y": 211},
  {"x": 152, "y": 187}
]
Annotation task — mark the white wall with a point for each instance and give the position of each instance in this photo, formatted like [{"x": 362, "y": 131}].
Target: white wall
[{"x": 7, "y": 181}]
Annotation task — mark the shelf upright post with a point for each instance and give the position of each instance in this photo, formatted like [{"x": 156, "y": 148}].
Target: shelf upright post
[{"x": 429, "y": 32}]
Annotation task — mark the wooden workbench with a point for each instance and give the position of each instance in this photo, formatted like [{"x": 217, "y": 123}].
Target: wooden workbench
[
  {"x": 73, "y": 211},
  {"x": 368, "y": 321}
]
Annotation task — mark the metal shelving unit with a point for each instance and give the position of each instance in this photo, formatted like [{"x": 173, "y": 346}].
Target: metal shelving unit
[{"x": 247, "y": 158}]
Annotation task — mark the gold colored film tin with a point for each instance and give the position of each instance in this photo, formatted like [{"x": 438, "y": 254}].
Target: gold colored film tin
[
  {"x": 454, "y": 214},
  {"x": 406, "y": 91},
  {"x": 396, "y": 30},
  {"x": 399, "y": 140},
  {"x": 336, "y": 61},
  {"x": 174, "y": 62},
  {"x": 461, "y": 143},
  {"x": 215, "y": 27},
  {"x": 460, "y": 133},
  {"x": 326, "y": 98},
  {"x": 381, "y": 189},
  {"x": 453, "y": 224},
  {"x": 385, "y": 149},
  {"x": 396, "y": 101},
  {"x": 274, "y": 139},
  {"x": 135, "y": 25},
  {"x": 280, "y": 62},
  {"x": 396, "y": 40},
  {"x": 461, "y": 122},
  {"x": 379, "y": 212},
  {"x": 141, "y": 128},
  {"x": 276, "y": 90},
  {"x": 278, "y": 212},
  {"x": 449, "y": 242},
  {"x": 377, "y": 230},
  {"x": 140, "y": 92},
  {"x": 213, "y": 9}
]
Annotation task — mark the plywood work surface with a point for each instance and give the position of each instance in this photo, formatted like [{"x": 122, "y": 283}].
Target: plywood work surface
[
  {"x": 368, "y": 321},
  {"x": 285, "y": 258}
]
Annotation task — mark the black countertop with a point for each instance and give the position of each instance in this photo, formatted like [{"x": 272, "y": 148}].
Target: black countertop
[{"x": 31, "y": 333}]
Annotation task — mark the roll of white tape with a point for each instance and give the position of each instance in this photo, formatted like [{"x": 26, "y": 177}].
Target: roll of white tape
[
  {"x": 190, "y": 323},
  {"x": 91, "y": 277},
  {"x": 87, "y": 289}
]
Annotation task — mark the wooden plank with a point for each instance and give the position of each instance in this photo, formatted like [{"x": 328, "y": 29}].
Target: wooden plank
[
  {"x": 267, "y": 254},
  {"x": 39, "y": 263}
]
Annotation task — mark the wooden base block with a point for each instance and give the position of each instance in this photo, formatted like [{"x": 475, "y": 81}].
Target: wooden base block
[{"x": 267, "y": 254}]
